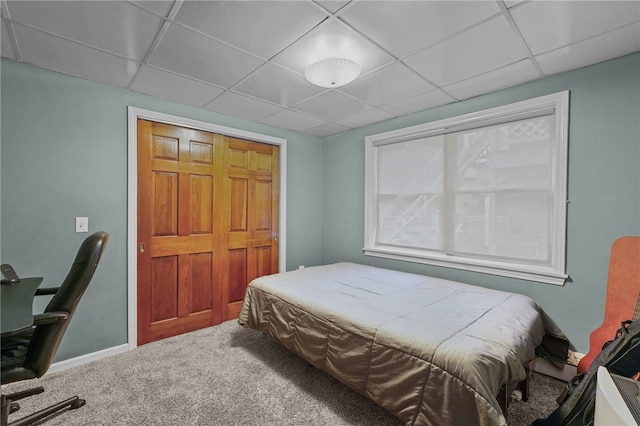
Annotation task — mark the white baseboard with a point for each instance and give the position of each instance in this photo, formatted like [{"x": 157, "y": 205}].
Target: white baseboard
[{"x": 85, "y": 359}]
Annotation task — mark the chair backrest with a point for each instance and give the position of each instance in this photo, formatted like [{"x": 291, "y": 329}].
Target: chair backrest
[
  {"x": 623, "y": 292},
  {"x": 46, "y": 338}
]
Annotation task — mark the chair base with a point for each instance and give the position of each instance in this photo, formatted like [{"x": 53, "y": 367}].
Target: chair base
[{"x": 9, "y": 406}]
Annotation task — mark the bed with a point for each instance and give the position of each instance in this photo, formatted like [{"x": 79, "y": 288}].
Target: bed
[{"x": 431, "y": 351}]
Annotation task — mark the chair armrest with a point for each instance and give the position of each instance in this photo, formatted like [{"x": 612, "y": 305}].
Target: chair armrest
[
  {"x": 50, "y": 317},
  {"x": 46, "y": 291}
]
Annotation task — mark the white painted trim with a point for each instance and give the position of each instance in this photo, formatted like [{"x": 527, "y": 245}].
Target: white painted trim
[
  {"x": 552, "y": 273},
  {"x": 85, "y": 359},
  {"x": 484, "y": 266},
  {"x": 132, "y": 199}
]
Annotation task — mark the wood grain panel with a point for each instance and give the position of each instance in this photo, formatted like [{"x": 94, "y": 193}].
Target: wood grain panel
[
  {"x": 201, "y": 198},
  {"x": 181, "y": 167},
  {"x": 252, "y": 238},
  {"x": 207, "y": 225},
  {"x": 237, "y": 274},
  {"x": 238, "y": 204},
  {"x": 201, "y": 152},
  {"x": 263, "y": 261},
  {"x": 178, "y": 173},
  {"x": 237, "y": 240},
  {"x": 165, "y": 204},
  {"x": 164, "y": 305},
  {"x": 178, "y": 245},
  {"x": 263, "y": 198},
  {"x": 238, "y": 158},
  {"x": 263, "y": 162},
  {"x": 164, "y": 148},
  {"x": 169, "y": 328},
  {"x": 201, "y": 271}
]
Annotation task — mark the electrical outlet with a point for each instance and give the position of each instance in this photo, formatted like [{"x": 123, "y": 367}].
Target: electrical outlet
[{"x": 82, "y": 224}]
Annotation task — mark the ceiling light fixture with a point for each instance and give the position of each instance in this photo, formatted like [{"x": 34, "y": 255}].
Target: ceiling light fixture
[
  {"x": 332, "y": 72},
  {"x": 333, "y": 62}
]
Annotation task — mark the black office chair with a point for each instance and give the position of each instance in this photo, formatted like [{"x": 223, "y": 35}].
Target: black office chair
[{"x": 28, "y": 354}]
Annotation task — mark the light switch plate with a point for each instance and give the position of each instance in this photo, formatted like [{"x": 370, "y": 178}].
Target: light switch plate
[{"x": 82, "y": 224}]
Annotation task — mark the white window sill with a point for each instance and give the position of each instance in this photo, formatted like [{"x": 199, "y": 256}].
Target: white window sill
[{"x": 503, "y": 269}]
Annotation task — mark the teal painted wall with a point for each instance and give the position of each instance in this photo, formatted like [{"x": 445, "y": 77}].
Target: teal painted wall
[
  {"x": 604, "y": 188},
  {"x": 64, "y": 154}
]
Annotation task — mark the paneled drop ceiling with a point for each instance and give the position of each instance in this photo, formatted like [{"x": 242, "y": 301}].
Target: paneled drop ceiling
[{"x": 247, "y": 58}]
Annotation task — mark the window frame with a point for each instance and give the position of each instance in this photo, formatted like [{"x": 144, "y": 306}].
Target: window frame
[{"x": 552, "y": 273}]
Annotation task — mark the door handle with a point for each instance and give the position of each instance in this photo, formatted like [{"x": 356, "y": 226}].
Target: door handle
[{"x": 142, "y": 247}]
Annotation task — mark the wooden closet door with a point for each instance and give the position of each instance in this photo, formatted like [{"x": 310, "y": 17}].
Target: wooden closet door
[
  {"x": 179, "y": 231},
  {"x": 251, "y": 192}
]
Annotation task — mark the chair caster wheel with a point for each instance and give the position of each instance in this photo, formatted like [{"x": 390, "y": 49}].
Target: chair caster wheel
[{"x": 79, "y": 403}]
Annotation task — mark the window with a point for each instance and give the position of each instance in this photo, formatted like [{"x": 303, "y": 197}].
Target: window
[{"x": 484, "y": 192}]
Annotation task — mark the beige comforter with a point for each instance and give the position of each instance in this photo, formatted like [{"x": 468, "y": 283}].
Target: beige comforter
[{"x": 431, "y": 351}]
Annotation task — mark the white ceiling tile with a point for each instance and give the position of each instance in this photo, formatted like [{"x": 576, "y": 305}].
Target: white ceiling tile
[
  {"x": 68, "y": 57},
  {"x": 278, "y": 85},
  {"x": 331, "y": 105},
  {"x": 189, "y": 53},
  {"x": 509, "y": 76},
  {"x": 165, "y": 85},
  {"x": 247, "y": 58},
  {"x": 511, "y": 3},
  {"x": 403, "y": 27},
  {"x": 161, "y": 7},
  {"x": 387, "y": 85},
  {"x": 547, "y": 25},
  {"x": 116, "y": 27},
  {"x": 326, "y": 129},
  {"x": 292, "y": 120},
  {"x": 419, "y": 102},
  {"x": 333, "y": 5},
  {"x": 483, "y": 48},
  {"x": 262, "y": 28},
  {"x": 299, "y": 56},
  {"x": 364, "y": 118},
  {"x": 611, "y": 45},
  {"x": 237, "y": 105}
]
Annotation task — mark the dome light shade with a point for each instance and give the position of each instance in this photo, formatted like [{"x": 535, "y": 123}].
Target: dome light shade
[
  {"x": 332, "y": 72},
  {"x": 333, "y": 60}
]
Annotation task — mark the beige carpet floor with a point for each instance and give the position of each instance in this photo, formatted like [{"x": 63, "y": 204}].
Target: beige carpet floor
[{"x": 225, "y": 375}]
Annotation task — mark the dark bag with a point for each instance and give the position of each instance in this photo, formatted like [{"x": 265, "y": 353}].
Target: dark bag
[{"x": 621, "y": 356}]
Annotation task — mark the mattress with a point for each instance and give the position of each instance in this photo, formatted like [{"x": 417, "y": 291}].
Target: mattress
[{"x": 431, "y": 351}]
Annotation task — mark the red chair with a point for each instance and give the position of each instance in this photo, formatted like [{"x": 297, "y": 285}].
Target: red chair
[{"x": 623, "y": 295}]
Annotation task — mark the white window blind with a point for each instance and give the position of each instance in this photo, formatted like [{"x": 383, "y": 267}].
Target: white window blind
[{"x": 483, "y": 192}]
